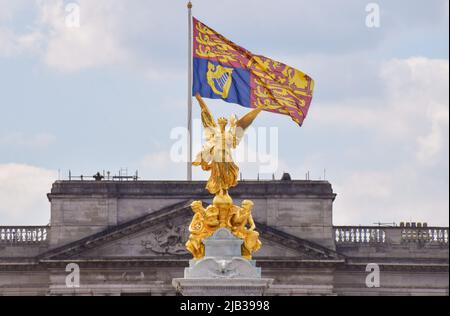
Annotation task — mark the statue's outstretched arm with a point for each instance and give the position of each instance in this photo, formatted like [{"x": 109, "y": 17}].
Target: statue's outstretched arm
[
  {"x": 207, "y": 118},
  {"x": 238, "y": 127},
  {"x": 248, "y": 119}
]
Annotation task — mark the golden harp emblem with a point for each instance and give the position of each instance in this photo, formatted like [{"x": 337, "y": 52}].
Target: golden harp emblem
[{"x": 219, "y": 79}]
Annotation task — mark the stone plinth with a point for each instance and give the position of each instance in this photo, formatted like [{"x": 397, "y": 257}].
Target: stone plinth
[
  {"x": 223, "y": 271},
  {"x": 222, "y": 287}
]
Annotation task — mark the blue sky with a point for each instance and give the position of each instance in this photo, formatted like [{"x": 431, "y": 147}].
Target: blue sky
[{"x": 108, "y": 94}]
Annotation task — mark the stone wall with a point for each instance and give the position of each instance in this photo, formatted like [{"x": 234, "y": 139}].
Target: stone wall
[{"x": 79, "y": 209}]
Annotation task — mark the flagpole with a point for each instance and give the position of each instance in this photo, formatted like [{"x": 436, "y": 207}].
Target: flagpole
[{"x": 189, "y": 160}]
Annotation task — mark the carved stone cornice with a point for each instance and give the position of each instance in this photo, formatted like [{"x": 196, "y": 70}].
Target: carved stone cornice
[{"x": 393, "y": 266}]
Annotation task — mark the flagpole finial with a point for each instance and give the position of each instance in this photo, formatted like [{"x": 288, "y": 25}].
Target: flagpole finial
[{"x": 189, "y": 5}]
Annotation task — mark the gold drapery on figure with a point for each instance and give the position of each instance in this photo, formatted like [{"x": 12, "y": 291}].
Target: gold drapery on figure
[{"x": 224, "y": 175}]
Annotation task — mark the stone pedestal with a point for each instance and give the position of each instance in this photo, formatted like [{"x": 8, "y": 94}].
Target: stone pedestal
[{"x": 223, "y": 271}]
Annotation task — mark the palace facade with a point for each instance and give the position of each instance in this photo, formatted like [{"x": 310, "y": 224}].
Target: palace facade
[{"x": 127, "y": 238}]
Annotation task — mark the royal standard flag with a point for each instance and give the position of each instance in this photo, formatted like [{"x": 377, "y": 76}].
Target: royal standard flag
[{"x": 224, "y": 70}]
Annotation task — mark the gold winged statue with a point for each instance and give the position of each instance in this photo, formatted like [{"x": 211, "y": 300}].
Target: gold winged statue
[{"x": 216, "y": 157}]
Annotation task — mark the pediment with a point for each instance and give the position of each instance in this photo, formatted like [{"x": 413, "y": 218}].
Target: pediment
[
  {"x": 168, "y": 240},
  {"x": 163, "y": 234},
  {"x": 161, "y": 240}
]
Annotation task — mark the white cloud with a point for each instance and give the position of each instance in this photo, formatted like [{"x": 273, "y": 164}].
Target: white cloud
[
  {"x": 23, "y": 199},
  {"x": 431, "y": 145},
  {"x": 412, "y": 106},
  {"x": 10, "y": 9},
  {"x": 12, "y": 44},
  {"x": 93, "y": 44},
  {"x": 401, "y": 194},
  {"x": 418, "y": 97}
]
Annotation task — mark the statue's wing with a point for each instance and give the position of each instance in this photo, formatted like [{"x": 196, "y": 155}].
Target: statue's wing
[
  {"x": 207, "y": 118},
  {"x": 248, "y": 119}
]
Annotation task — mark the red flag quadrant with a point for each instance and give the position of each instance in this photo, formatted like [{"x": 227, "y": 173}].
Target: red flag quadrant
[{"x": 224, "y": 70}]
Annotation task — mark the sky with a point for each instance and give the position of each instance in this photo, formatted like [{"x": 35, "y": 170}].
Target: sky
[{"x": 111, "y": 92}]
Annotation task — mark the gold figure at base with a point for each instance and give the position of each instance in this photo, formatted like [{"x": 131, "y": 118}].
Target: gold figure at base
[
  {"x": 204, "y": 224},
  {"x": 216, "y": 156},
  {"x": 238, "y": 221}
]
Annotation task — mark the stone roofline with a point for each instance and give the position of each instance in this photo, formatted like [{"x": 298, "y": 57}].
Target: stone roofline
[{"x": 193, "y": 189}]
